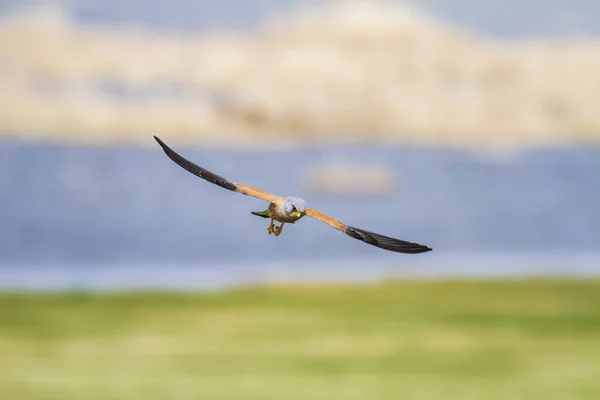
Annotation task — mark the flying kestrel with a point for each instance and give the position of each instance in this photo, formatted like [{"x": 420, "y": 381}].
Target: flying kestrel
[{"x": 288, "y": 210}]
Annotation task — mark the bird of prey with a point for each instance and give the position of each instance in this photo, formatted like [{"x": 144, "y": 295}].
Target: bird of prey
[{"x": 288, "y": 210}]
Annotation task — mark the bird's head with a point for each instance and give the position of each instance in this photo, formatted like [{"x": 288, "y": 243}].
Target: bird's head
[{"x": 294, "y": 206}]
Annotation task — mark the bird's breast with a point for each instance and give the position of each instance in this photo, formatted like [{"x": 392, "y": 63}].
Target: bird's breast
[{"x": 278, "y": 214}]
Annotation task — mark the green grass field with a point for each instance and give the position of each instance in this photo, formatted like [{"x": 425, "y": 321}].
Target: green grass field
[{"x": 401, "y": 340}]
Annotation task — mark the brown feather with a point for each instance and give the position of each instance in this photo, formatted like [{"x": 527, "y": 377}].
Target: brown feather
[
  {"x": 255, "y": 192},
  {"x": 214, "y": 178},
  {"x": 325, "y": 218},
  {"x": 374, "y": 239}
]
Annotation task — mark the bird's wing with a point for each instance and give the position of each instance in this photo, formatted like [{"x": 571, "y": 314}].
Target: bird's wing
[
  {"x": 375, "y": 239},
  {"x": 214, "y": 178}
]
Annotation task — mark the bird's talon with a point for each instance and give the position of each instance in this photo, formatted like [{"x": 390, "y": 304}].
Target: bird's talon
[{"x": 278, "y": 229}]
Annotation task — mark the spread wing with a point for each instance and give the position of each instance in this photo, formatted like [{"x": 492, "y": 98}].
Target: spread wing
[
  {"x": 214, "y": 178},
  {"x": 375, "y": 239}
]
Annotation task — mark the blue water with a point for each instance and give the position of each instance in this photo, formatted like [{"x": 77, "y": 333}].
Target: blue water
[
  {"x": 89, "y": 208},
  {"x": 507, "y": 19}
]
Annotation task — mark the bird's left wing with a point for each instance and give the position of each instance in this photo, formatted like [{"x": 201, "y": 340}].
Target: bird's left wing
[
  {"x": 375, "y": 239},
  {"x": 214, "y": 178}
]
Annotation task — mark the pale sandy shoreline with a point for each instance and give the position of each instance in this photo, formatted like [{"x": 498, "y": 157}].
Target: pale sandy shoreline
[{"x": 354, "y": 73}]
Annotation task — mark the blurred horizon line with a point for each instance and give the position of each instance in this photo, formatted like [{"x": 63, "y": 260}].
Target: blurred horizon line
[{"x": 132, "y": 276}]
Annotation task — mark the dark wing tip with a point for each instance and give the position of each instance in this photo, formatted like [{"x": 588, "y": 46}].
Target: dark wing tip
[
  {"x": 385, "y": 242},
  {"x": 162, "y": 144},
  {"x": 195, "y": 169}
]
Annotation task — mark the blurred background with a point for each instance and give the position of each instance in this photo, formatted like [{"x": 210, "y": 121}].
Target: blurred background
[{"x": 468, "y": 126}]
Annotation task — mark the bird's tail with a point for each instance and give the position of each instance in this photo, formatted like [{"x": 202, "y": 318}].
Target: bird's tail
[{"x": 264, "y": 214}]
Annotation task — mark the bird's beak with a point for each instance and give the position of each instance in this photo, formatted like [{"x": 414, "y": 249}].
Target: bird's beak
[{"x": 297, "y": 214}]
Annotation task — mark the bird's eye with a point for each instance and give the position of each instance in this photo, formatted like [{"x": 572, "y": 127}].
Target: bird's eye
[{"x": 294, "y": 208}]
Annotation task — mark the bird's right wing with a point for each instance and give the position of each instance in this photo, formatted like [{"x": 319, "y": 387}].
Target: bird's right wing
[
  {"x": 214, "y": 178},
  {"x": 374, "y": 239}
]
